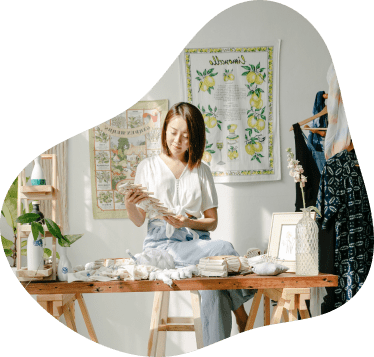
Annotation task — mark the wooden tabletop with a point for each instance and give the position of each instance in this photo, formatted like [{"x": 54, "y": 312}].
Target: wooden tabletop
[{"x": 251, "y": 281}]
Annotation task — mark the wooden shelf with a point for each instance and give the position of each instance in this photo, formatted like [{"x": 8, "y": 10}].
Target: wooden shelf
[
  {"x": 28, "y": 275},
  {"x": 43, "y": 192}
]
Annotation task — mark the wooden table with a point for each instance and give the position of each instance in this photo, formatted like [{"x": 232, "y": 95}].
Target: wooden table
[{"x": 288, "y": 289}]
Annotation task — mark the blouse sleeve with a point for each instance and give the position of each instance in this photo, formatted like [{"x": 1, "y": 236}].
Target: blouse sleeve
[
  {"x": 208, "y": 189},
  {"x": 140, "y": 178}
]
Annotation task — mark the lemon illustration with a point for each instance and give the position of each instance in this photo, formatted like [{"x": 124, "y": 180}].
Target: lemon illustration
[
  {"x": 257, "y": 104},
  {"x": 231, "y": 77},
  {"x": 225, "y": 78},
  {"x": 231, "y": 155},
  {"x": 236, "y": 154},
  {"x": 252, "y": 121},
  {"x": 207, "y": 156},
  {"x": 258, "y": 79},
  {"x": 251, "y": 77},
  {"x": 257, "y": 146},
  {"x": 209, "y": 81},
  {"x": 232, "y": 128},
  {"x": 211, "y": 122},
  {"x": 249, "y": 149},
  {"x": 256, "y": 97},
  {"x": 203, "y": 86},
  {"x": 260, "y": 125}
]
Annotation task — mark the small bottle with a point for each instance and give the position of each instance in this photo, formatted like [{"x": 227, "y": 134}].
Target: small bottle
[
  {"x": 232, "y": 143},
  {"x": 37, "y": 175}
]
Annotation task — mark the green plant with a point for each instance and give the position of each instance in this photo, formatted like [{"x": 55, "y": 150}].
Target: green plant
[
  {"x": 9, "y": 211},
  {"x": 53, "y": 228}
]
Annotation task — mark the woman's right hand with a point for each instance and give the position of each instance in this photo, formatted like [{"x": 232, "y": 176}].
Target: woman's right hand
[{"x": 134, "y": 196}]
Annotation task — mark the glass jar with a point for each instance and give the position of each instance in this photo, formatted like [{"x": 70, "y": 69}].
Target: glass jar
[{"x": 306, "y": 245}]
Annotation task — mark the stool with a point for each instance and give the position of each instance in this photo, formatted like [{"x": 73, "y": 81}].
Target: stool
[
  {"x": 161, "y": 322},
  {"x": 63, "y": 304}
]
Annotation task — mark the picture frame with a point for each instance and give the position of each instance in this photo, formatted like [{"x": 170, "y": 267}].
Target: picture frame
[{"x": 282, "y": 242}]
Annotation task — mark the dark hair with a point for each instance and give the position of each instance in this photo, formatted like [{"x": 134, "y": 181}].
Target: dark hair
[{"x": 195, "y": 128}]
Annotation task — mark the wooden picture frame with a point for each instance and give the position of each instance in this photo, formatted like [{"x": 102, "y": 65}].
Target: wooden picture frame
[{"x": 282, "y": 243}]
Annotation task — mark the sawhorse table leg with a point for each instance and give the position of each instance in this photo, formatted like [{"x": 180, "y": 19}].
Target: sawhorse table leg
[
  {"x": 290, "y": 299},
  {"x": 63, "y": 304}
]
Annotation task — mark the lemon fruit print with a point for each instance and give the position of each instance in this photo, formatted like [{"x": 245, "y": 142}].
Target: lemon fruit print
[
  {"x": 210, "y": 118},
  {"x": 207, "y": 155},
  {"x": 207, "y": 82}
]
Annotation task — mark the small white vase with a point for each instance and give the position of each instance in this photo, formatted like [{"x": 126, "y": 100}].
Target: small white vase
[
  {"x": 35, "y": 252},
  {"x": 37, "y": 175},
  {"x": 64, "y": 265},
  {"x": 306, "y": 245}
]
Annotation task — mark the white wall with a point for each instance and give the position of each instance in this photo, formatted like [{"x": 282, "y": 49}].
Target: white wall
[{"x": 122, "y": 320}]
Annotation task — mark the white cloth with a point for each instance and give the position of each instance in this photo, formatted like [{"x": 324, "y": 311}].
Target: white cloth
[
  {"x": 193, "y": 193},
  {"x": 338, "y": 136}
]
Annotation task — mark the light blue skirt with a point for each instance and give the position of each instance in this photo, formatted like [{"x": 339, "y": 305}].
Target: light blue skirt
[{"x": 216, "y": 305}]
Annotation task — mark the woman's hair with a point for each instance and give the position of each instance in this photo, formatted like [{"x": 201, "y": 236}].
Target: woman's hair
[{"x": 195, "y": 128}]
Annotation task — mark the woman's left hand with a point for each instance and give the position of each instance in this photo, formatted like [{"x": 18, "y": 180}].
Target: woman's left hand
[{"x": 177, "y": 221}]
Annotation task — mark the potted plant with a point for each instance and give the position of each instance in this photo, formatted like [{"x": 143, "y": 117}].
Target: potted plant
[
  {"x": 38, "y": 233},
  {"x": 9, "y": 212}
]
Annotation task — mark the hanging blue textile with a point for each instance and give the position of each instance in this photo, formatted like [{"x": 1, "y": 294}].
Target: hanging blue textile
[
  {"x": 342, "y": 196},
  {"x": 314, "y": 139}
]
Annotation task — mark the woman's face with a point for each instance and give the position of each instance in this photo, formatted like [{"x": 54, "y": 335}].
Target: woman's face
[{"x": 177, "y": 137}]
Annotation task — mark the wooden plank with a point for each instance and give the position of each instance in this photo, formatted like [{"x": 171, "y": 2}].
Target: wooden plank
[
  {"x": 196, "y": 313},
  {"x": 254, "y": 308},
  {"x": 41, "y": 273},
  {"x": 304, "y": 314},
  {"x": 51, "y": 297},
  {"x": 252, "y": 281},
  {"x": 285, "y": 316},
  {"x": 179, "y": 320},
  {"x": 266, "y": 310},
  {"x": 161, "y": 341},
  {"x": 155, "y": 322},
  {"x": 69, "y": 317},
  {"x": 277, "y": 312},
  {"x": 292, "y": 313},
  {"x": 180, "y": 328},
  {"x": 40, "y": 189},
  {"x": 86, "y": 317},
  {"x": 273, "y": 294}
]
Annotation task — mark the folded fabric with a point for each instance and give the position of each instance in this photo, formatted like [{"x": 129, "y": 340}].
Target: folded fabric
[
  {"x": 222, "y": 265},
  {"x": 252, "y": 252},
  {"x": 267, "y": 268}
]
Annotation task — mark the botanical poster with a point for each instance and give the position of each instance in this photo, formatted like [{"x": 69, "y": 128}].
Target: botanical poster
[
  {"x": 117, "y": 146},
  {"x": 235, "y": 90}
]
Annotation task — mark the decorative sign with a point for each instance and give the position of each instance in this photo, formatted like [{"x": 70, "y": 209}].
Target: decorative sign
[
  {"x": 236, "y": 91},
  {"x": 116, "y": 149}
]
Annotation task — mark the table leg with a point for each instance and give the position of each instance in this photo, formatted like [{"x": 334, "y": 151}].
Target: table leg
[
  {"x": 69, "y": 317},
  {"x": 266, "y": 310},
  {"x": 86, "y": 317},
  {"x": 254, "y": 308},
  {"x": 155, "y": 321},
  {"x": 277, "y": 312}
]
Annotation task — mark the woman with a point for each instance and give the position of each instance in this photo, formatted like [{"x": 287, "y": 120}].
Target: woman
[{"x": 185, "y": 185}]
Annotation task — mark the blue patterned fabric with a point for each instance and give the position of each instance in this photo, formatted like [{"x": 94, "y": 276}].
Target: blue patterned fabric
[
  {"x": 342, "y": 195},
  {"x": 315, "y": 139}
]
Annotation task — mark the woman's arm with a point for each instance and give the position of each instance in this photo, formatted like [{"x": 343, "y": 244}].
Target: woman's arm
[
  {"x": 208, "y": 223},
  {"x": 137, "y": 215}
]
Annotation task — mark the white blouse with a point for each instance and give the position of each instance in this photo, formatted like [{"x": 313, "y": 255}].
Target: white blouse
[{"x": 193, "y": 193}]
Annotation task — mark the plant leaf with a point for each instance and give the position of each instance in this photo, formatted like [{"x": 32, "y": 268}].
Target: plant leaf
[
  {"x": 53, "y": 228},
  {"x": 7, "y": 244},
  {"x": 63, "y": 242},
  {"x": 245, "y": 73},
  {"x": 23, "y": 243},
  {"x": 199, "y": 73},
  {"x": 24, "y": 252},
  {"x": 35, "y": 230},
  {"x": 8, "y": 252},
  {"x": 7, "y": 215},
  {"x": 75, "y": 237},
  {"x": 315, "y": 209},
  {"x": 27, "y": 218}
]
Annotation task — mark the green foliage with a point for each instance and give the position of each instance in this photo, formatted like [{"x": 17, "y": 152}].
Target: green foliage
[
  {"x": 7, "y": 244},
  {"x": 53, "y": 228}
]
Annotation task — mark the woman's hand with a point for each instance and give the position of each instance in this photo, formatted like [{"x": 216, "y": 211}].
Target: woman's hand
[
  {"x": 134, "y": 196},
  {"x": 177, "y": 221}
]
